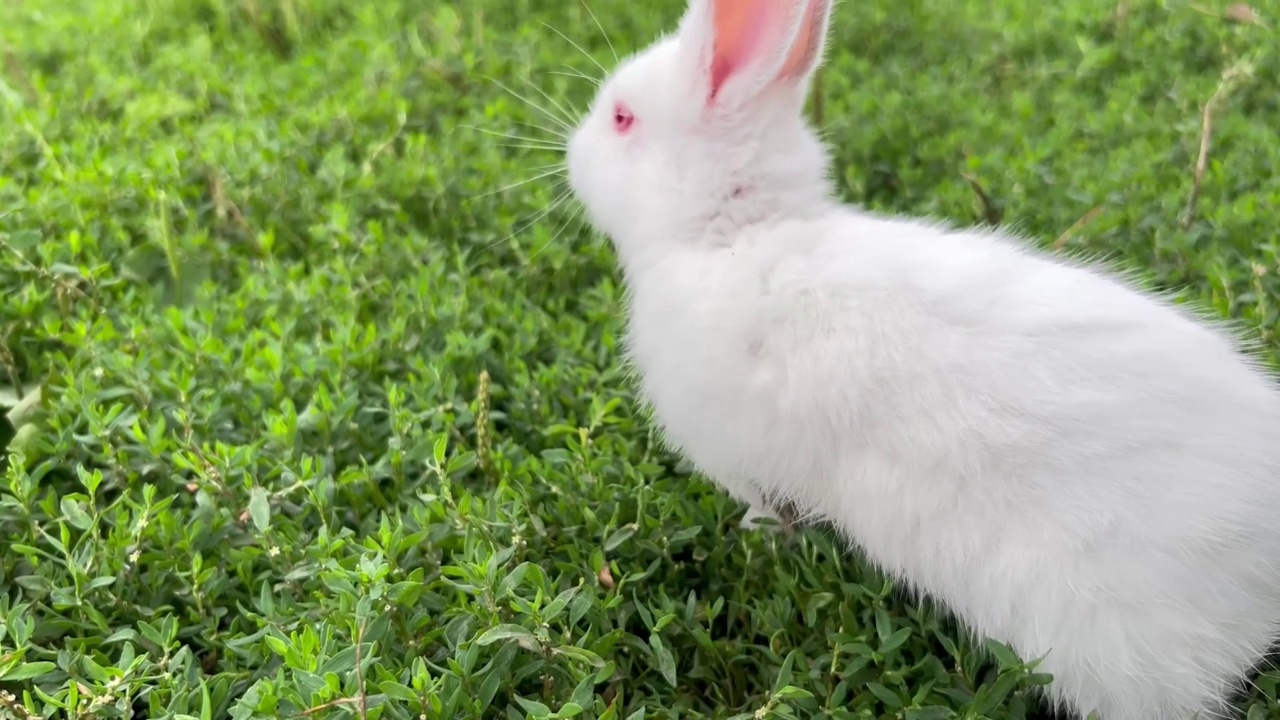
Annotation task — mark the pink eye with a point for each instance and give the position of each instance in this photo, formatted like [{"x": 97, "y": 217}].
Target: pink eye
[{"x": 622, "y": 118}]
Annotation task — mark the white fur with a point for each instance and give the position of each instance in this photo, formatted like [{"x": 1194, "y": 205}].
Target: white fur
[{"x": 1074, "y": 466}]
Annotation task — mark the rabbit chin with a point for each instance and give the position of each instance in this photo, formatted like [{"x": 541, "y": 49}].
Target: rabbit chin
[
  {"x": 634, "y": 186},
  {"x": 604, "y": 196}
]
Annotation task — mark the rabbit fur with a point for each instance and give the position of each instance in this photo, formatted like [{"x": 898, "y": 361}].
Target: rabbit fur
[{"x": 1075, "y": 466}]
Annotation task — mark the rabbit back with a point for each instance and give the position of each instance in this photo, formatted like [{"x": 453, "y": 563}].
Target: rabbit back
[{"x": 1074, "y": 466}]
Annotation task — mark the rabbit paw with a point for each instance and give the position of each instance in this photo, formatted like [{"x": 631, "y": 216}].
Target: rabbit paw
[{"x": 756, "y": 513}]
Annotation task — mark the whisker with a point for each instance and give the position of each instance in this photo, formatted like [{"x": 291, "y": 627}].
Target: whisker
[
  {"x": 557, "y": 170},
  {"x": 571, "y": 220},
  {"x": 579, "y": 47},
  {"x": 570, "y": 72},
  {"x": 603, "y": 34},
  {"x": 509, "y": 136},
  {"x": 549, "y": 131},
  {"x": 557, "y": 202},
  {"x": 576, "y": 113},
  {"x": 546, "y": 147},
  {"x": 561, "y": 185},
  {"x": 552, "y": 116}
]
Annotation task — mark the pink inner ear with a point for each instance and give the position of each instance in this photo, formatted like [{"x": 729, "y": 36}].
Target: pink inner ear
[
  {"x": 805, "y": 48},
  {"x": 739, "y": 32}
]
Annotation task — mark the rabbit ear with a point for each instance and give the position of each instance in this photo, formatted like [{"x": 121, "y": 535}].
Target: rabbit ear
[
  {"x": 747, "y": 45},
  {"x": 806, "y": 48}
]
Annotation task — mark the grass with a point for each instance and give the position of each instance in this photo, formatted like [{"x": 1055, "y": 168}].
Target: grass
[{"x": 296, "y": 427}]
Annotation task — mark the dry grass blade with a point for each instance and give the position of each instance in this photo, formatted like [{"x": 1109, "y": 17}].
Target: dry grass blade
[
  {"x": 983, "y": 202},
  {"x": 1243, "y": 14},
  {"x": 1071, "y": 232},
  {"x": 1228, "y": 82},
  {"x": 363, "y": 699}
]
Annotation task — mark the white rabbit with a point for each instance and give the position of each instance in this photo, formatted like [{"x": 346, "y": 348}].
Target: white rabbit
[{"x": 1076, "y": 467}]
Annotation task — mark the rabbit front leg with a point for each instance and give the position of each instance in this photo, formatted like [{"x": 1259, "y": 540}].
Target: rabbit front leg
[
  {"x": 745, "y": 491},
  {"x": 760, "y": 508}
]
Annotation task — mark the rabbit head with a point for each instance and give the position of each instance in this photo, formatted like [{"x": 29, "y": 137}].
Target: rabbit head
[{"x": 703, "y": 132}]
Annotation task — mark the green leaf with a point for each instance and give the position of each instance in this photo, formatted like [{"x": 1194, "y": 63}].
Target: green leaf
[
  {"x": 685, "y": 535},
  {"x": 998, "y": 691},
  {"x": 617, "y": 538},
  {"x": 666, "y": 662},
  {"x": 74, "y": 513},
  {"x": 783, "y": 678},
  {"x": 278, "y": 646},
  {"x": 582, "y": 694},
  {"x": 341, "y": 662},
  {"x": 1007, "y": 657},
  {"x": 29, "y": 671},
  {"x": 506, "y": 632},
  {"x": 35, "y": 583},
  {"x": 396, "y": 691},
  {"x": 1039, "y": 678},
  {"x": 886, "y": 696},
  {"x": 884, "y": 625},
  {"x": 101, "y": 582},
  {"x": 489, "y": 688},
  {"x": 557, "y": 606},
  {"x": 260, "y": 508},
  {"x": 931, "y": 712},
  {"x": 23, "y": 240},
  {"x": 791, "y": 692},
  {"x": 896, "y": 640},
  {"x": 533, "y": 707},
  {"x": 206, "y": 702},
  {"x": 122, "y": 635},
  {"x": 580, "y": 654}
]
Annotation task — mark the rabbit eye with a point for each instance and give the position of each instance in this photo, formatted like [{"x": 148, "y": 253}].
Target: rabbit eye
[{"x": 622, "y": 118}]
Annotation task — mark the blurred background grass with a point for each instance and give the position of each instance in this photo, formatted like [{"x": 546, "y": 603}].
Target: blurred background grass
[{"x": 311, "y": 428}]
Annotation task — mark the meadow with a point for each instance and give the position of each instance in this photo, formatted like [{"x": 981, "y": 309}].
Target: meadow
[{"x": 310, "y": 411}]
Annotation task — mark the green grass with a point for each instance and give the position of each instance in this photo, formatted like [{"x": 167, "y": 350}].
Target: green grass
[{"x": 312, "y": 437}]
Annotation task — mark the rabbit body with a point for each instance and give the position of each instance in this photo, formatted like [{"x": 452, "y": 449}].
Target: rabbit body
[
  {"x": 1072, "y": 467},
  {"x": 1076, "y": 467}
]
